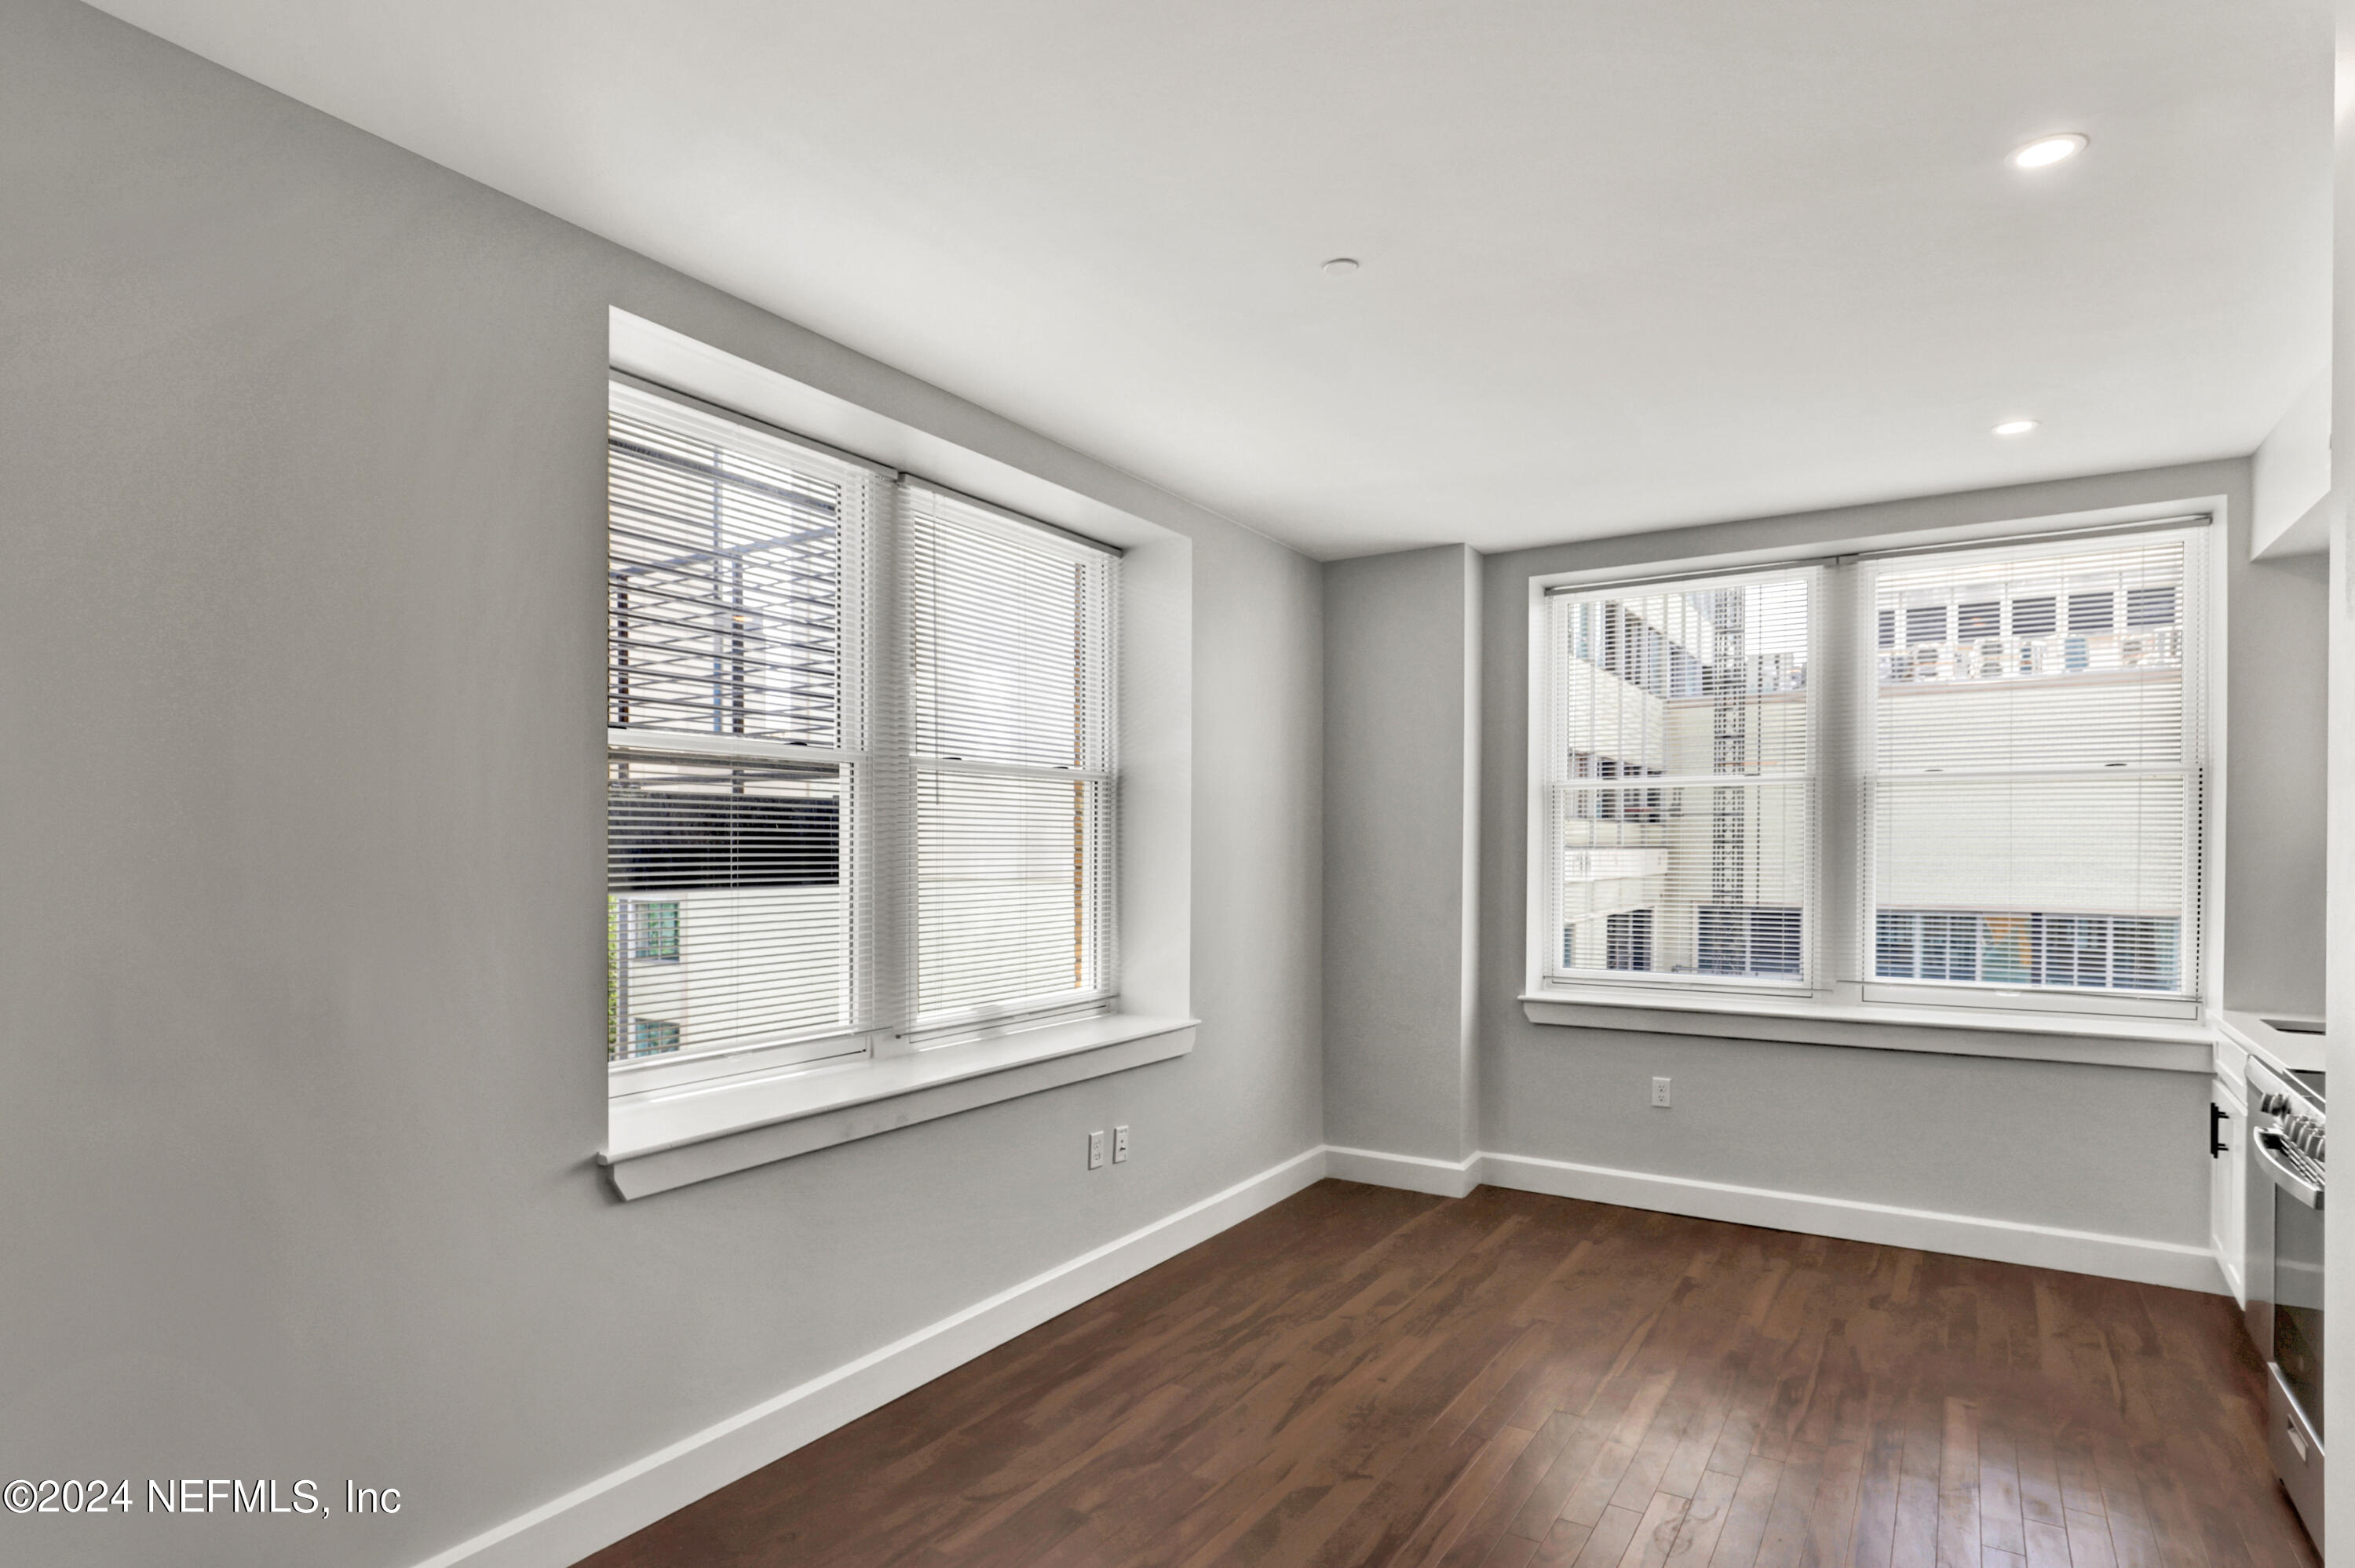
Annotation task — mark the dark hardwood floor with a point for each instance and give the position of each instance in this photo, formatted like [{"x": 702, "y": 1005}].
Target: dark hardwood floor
[{"x": 1366, "y": 1376}]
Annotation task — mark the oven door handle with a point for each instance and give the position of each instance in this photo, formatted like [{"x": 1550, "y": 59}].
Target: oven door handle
[{"x": 2287, "y": 1180}]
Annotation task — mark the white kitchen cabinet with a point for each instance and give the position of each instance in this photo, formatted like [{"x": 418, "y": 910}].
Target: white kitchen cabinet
[{"x": 2227, "y": 1184}]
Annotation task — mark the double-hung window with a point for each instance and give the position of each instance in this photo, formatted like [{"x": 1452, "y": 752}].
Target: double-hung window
[
  {"x": 861, "y": 773},
  {"x": 2000, "y": 748}
]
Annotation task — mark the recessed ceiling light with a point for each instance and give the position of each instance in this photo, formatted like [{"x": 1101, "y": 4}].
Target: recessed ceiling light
[
  {"x": 2047, "y": 150},
  {"x": 1340, "y": 266},
  {"x": 2014, "y": 427}
]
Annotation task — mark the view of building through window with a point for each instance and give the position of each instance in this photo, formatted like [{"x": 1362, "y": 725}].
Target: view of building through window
[
  {"x": 1702, "y": 693},
  {"x": 2034, "y": 790}
]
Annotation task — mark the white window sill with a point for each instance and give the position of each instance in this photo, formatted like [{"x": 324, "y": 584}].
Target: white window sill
[
  {"x": 670, "y": 1138},
  {"x": 2163, "y": 1045}
]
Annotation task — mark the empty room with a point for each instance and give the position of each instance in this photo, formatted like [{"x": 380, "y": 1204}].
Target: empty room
[{"x": 1023, "y": 784}]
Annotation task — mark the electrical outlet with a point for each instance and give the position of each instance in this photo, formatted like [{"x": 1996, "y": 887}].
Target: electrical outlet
[
  {"x": 1119, "y": 1144},
  {"x": 1660, "y": 1093},
  {"x": 1095, "y": 1151}
]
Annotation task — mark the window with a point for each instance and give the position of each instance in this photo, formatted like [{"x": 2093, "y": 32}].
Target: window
[
  {"x": 2011, "y": 750},
  {"x": 861, "y": 762},
  {"x": 2035, "y": 802},
  {"x": 1013, "y": 749},
  {"x": 1702, "y": 869}
]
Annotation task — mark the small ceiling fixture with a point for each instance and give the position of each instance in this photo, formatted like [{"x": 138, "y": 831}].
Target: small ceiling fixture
[
  {"x": 2048, "y": 150},
  {"x": 1342, "y": 266},
  {"x": 2014, "y": 427}
]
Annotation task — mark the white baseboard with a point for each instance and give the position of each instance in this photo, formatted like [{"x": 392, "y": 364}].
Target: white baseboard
[
  {"x": 1964, "y": 1236},
  {"x": 1414, "y": 1173},
  {"x": 2004, "y": 1240},
  {"x": 561, "y": 1532},
  {"x": 2232, "y": 1275}
]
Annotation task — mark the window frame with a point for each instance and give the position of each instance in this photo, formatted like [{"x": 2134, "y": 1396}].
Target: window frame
[
  {"x": 1844, "y": 662},
  {"x": 1547, "y": 597},
  {"x": 878, "y": 766}
]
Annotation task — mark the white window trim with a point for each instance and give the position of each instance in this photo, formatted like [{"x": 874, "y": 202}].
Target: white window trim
[
  {"x": 662, "y": 1133},
  {"x": 667, "y": 1139},
  {"x": 1840, "y": 1013}
]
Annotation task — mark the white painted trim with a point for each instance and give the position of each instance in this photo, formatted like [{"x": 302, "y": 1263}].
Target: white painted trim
[
  {"x": 2183, "y": 1267},
  {"x": 2158, "y": 1044},
  {"x": 2232, "y": 1286},
  {"x": 1413, "y": 1172},
  {"x": 565, "y": 1528},
  {"x": 696, "y": 1131}
]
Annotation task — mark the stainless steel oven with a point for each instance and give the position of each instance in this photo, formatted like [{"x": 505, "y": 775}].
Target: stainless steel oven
[{"x": 2286, "y": 1145}]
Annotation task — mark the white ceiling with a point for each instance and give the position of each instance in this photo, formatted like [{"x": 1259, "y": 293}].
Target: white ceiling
[{"x": 1628, "y": 263}]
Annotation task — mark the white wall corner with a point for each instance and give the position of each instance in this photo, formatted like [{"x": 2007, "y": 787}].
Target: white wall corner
[
  {"x": 1468, "y": 959},
  {"x": 1410, "y": 1173},
  {"x": 2290, "y": 480}
]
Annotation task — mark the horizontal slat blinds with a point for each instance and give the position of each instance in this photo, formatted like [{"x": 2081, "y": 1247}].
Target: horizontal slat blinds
[
  {"x": 1680, "y": 782},
  {"x": 729, "y": 924},
  {"x": 733, "y": 919},
  {"x": 2035, "y": 768},
  {"x": 1010, "y": 633},
  {"x": 726, "y": 576}
]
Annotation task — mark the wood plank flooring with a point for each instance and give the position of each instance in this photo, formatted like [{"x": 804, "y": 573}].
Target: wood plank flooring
[{"x": 1363, "y": 1376}]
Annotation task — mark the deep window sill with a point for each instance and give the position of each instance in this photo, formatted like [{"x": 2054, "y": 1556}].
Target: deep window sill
[
  {"x": 667, "y": 1139},
  {"x": 2158, "y": 1043}
]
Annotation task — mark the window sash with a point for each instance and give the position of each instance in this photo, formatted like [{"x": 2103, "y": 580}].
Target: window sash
[
  {"x": 2084, "y": 680},
  {"x": 1678, "y": 771}
]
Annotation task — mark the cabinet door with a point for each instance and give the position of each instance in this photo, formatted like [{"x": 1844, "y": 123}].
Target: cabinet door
[{"x": 2227, "y": 1178}]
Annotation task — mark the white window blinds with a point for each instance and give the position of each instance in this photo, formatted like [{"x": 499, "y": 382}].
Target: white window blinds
[
  {"x": 861, "y": 770},
  {"x": 1679, "y": 839},
  {"x": 2035, "y": 768},
  {"x": 1011, "y": 715}
]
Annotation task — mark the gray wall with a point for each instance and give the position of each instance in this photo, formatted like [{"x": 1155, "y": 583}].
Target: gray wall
[
  {"x": 2119, "y": 1150},
  {"x": 2274, "y": 881},
  {"x": 1401, "y": 710},
  {"x": 302, "y": 473}
]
